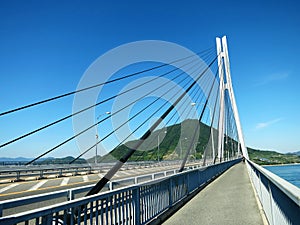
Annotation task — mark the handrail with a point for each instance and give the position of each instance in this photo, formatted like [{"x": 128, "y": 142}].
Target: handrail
[
  {"x": 135, "y": 204},
  {"x": 279, "y": 198},
  {"x": 289, "y": 189}
]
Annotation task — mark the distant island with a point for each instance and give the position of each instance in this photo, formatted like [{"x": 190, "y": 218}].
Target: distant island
[
  {"x": 263, "y": 157},
  {"x": 42, "y": 161}
]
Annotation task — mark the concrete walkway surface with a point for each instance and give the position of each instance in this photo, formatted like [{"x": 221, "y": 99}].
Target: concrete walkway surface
[{"x": 229, "y": 200}]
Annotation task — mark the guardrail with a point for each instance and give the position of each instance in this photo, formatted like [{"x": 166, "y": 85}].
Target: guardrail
[
  {"x": 71, "y": 194},
  {"x": 280, "y": 199},
  {"x": 19, "y": 173},
  {"x": 136, "y": 204}
]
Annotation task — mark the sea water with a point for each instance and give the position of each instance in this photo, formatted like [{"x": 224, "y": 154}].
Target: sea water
[{"x": 291, "y": 173}]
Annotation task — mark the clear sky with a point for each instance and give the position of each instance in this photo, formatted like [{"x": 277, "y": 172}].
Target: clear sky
[{"x": 46, "y": 46}]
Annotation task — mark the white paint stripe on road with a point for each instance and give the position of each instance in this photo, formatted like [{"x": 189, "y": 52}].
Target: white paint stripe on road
[
  {"x": 86, "y": 178},
  {"x": 38, "y": 185},
  {"x": 124, "y": 173},
  {"x": 65, "y": 181},
  {"x": 8, "y": 187}
]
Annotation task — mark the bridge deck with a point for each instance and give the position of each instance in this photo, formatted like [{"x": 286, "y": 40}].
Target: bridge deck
[{"x": 228, "y": 200}]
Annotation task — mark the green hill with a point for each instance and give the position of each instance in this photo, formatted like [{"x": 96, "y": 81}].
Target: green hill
[
  {"x": 263, "y": 157},
  {"x": 169, "y": 148}
]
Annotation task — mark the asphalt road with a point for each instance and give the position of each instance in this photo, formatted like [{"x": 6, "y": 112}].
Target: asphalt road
[{"x": 33, "y": 187}]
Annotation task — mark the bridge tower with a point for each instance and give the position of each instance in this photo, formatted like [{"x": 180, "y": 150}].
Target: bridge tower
[{"x": 226, "y": 84}]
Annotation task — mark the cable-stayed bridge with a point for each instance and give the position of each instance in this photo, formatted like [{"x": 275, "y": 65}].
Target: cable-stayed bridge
[{"x": 177, "y": 114}]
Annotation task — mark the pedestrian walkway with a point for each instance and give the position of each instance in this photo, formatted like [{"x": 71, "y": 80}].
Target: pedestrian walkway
[{"x": 229, "y": 200}]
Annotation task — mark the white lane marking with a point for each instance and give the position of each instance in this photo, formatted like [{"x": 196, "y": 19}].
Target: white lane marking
[
  {"x": 86, "y": 178},
  {"x": 100, "y": 175},
  {"x": 38, "y": 185},
  {"x": 8, "y": 187},
  {"x": 122, "y": 173},
  {"x": 134, "y": 171},
  {"x": 65, "y": 181}
]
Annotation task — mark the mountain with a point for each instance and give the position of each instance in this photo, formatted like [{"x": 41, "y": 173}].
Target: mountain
[
  {"x": 169, "y": 148},
  {"x": 18, "y": 159},
  {"x": 294, "y": 153}
]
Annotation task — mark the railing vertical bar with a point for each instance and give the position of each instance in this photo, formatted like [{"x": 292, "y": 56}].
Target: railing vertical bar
[
  {"x": 102, "y": 212},
  {"x": 126, "y": 208},
  {"x": 150, "y": 202},
  {"x": 137, "y": 204},
  {"x": 111, "y": 210},
  {"x": 123, "y": 207},
  {"x": 142, "y": 204},
  {"x": 119, "y": 209},
  {"x": 129, "y": 214},
  {"x": 146, "y": 196},
  {"x": 72, "y": 217},
  {"x": 91, "y": 212},
  {"x": 1, "y": 210},
  {"x": 115, "y": 208},
  {"x": 97, "y": 212},
  {"x": 65, "y": 216},
  {"x": 85, "y": 218},
  {"x": 37, "y": 220},
  {"x": 106, "y": 209}
]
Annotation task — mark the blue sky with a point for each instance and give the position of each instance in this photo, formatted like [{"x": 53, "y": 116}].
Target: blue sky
[{"x": 46, "y": 46}]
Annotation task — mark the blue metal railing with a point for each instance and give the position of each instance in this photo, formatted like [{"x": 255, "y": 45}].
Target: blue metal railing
[
  {"x": 7, "y": 206},
  {"x": 280, "y": 199},
  {"x": 137, "y": 204}
]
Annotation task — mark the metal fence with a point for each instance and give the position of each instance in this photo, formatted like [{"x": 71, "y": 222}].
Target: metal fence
[
  {"x": 280, "y": 199},
  {"x": 136, "y": 204},
  {"x": 20, "y": 173}
]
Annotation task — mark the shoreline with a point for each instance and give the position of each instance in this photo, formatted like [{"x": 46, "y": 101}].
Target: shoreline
[{"x": 287, "y": 164}]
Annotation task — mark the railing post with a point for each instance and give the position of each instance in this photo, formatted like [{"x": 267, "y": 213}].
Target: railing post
[
  {"x": 111, "y": 185},
  {"x": 188, "y": 183},
  {"x": 41, "y": 174},
  {"x": 18, "y": 175},
  {"x": 70, "y": 195},
  {"x": 137, "y": 206},
  {"x": 170, "y": 192},
  {"x": 1, "y": 210},
  {"x": 60, "y": 172},
  {"x": 47, "y": 220}
]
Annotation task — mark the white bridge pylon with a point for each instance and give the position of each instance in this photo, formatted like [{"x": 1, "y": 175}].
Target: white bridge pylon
[{"x": 226, "y": 84}]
